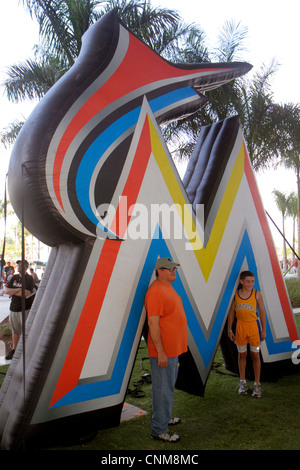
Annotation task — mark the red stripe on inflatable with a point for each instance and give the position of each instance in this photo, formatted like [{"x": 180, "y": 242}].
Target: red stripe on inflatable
[
  {"x": 148, "y": 67},
  {"x": 284, "y": 300},
  {"x": 83, "y": 334},
  {"x": 135, "y": 178},
  {"x": 73, "y": 364}
]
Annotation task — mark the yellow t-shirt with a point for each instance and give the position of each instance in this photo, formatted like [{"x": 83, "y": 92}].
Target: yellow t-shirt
[
  {"x": 246, "y": 309},
  {"x": 164, "y": 301}
]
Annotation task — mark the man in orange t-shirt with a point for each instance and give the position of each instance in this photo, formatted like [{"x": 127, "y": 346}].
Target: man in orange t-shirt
[{"x": 167, "y": 339}]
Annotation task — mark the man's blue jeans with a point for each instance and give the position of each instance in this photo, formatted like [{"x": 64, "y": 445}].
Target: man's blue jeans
[{"x": 163, "y": 384}]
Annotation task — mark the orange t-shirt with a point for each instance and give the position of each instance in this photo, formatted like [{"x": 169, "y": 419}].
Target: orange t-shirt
[{"x": 164, "y": 301}]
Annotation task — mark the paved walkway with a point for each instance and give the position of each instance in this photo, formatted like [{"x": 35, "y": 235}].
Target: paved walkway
[{"x": 4, "y": 306}]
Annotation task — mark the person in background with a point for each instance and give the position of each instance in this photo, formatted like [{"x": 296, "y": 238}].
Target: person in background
[
  {"x": 7, "y": 270},
  {"x": 35, "y": 276},
  {"x": 10, "y": 274},
  {"x": 14, "y": 290}
]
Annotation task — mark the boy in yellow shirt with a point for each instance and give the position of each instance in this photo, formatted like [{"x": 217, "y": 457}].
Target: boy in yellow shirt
[{"x": 245, "y": 305}]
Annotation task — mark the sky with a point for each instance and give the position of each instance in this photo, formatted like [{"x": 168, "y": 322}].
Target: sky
[{"x": 273, "y": 32}]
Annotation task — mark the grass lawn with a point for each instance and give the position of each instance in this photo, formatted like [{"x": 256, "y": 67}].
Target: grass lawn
[{"x": 221, "y": 420}]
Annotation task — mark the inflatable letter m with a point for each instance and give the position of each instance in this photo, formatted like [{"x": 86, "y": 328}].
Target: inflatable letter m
[{"x": 90, "y": 176}]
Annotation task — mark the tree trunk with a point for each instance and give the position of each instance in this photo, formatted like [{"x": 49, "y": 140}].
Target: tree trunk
[
  {"x": 284, "y": 257},
  {"x": 298, "y": 220}
]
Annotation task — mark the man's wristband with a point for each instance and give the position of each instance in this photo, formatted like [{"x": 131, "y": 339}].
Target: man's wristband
[{"x": 230, "y": 331}]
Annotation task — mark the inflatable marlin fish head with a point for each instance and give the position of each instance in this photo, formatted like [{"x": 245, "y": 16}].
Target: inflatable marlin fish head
[{"x": 69, "y": 156}]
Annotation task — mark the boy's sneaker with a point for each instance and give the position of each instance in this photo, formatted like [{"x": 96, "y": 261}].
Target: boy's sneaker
[
  {"x": 166, "y": 437},
  {"x": 243, "y": 387},
  {"x": 256, "y": 391}
]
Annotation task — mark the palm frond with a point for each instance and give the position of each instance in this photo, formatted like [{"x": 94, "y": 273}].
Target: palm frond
[
  {"x": 31, "y": 80},
  {"x": 231, "y": 41},
  {"x": 10, "y": 133}
]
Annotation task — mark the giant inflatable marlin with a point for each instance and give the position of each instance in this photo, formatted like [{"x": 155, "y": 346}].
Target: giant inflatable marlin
[{"x": 89, "y": 157}]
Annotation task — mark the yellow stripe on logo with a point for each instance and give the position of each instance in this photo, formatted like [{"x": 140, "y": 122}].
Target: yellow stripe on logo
[{"x": 205, "y": 255}]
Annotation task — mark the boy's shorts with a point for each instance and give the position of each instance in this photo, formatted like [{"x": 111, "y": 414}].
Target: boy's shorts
[
  {"x": 247, "y": 332},
  {"x": 15, "y": 319}
]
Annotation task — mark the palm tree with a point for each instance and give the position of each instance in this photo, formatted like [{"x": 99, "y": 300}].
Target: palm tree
[
  {"x": 221, "y": 101},
  {"x": 63, "y": 23},
  {"x": 62, "y": 26},
  {"x": 258, "y": 114},
  {"x": 292, "y": 211},
  {"x": 288, "y": 130},
  {"x": 282, "y": 204},
  {"x": 251, "y": 99},
  {"x": 10, "y": 133}
]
